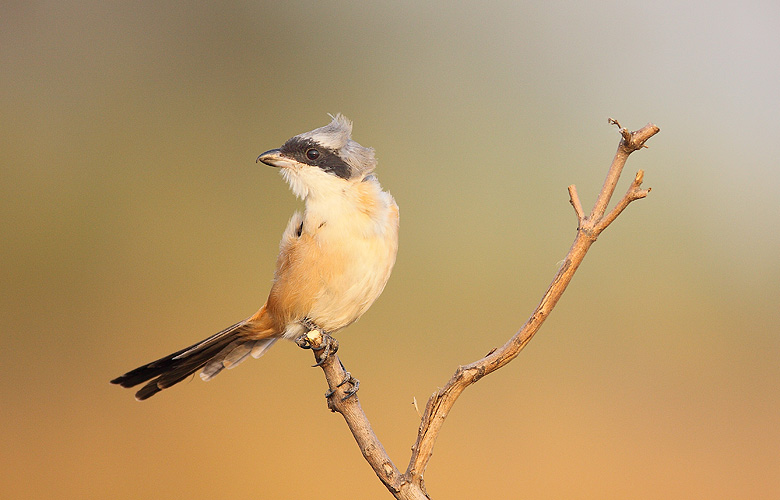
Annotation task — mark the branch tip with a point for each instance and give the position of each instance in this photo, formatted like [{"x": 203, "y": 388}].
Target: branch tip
[
  {"x": 574, "y": 199},
  {"x": 633, "y": 141}
]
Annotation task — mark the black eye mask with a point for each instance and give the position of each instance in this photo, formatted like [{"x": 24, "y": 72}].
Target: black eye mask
[{"x": 309, "y": 152}]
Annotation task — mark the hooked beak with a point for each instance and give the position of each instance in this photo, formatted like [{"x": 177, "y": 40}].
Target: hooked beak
[{"x": 274, "y": 158}]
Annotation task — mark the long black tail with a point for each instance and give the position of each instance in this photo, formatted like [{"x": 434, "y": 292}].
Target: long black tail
[{"x": 225, "y": 349}]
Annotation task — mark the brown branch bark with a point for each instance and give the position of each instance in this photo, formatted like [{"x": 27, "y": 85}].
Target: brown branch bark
[
  {"x": 410, "y": 484},
  {"x": 342, "y": 400}
]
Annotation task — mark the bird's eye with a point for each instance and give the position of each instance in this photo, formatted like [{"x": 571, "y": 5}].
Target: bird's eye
[{"x": 312, "y": 154}]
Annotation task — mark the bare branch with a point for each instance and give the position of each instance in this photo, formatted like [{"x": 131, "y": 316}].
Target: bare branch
[
  {"x": 341, "y": 396},
  {"x": 441, "y": 401},
  {"x": 343, "y": 401}
]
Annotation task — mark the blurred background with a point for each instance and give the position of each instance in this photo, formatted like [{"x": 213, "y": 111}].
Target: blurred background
[{"x": 134, "y": 221}]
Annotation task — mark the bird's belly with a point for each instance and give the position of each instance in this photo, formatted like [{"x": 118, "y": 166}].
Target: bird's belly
[
  {"x": 329, "y": 273},
  {"x": 350, "y": 290}
]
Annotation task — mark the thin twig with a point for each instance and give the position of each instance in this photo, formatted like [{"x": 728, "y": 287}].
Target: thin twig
[
  {"x": 634, "y": 193},
  {"x": 574, "y": 199}
]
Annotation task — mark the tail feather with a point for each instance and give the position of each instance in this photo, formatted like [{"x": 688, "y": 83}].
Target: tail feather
[
  {"x": 234, "y": 355},
  {"x": 223, "y": 349}
]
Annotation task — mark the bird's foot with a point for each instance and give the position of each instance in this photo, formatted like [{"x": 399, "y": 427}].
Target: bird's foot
[
  {"x": 348, "y": 393},
  {"x": 318, "y": 341},
  {"x": 328, "y": 346}
]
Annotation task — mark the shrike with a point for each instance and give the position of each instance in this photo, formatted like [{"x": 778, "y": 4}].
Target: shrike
[{"x": 334, "y": 259}]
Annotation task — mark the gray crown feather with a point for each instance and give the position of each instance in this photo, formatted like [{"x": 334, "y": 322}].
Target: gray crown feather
[{"x": 337, "y": 136}]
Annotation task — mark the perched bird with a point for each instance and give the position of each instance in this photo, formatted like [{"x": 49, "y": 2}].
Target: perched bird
[{"x": 334, "y": 259}]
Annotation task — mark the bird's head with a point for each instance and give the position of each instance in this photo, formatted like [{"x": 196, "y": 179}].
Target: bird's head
[{"x": 321, "y": 159}]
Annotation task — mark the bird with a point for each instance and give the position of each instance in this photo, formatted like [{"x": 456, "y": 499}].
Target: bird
[{"x": 335, "y": 258}]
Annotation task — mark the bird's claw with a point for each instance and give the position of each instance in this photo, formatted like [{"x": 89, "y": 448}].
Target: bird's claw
[
  {"x": 318, "y": 340},
  {"x": 329, "y": 345},
  {"x": 352, "y": 390},
  {"x": 348, "y": 393},
  {"x": 303, "y": 342}
]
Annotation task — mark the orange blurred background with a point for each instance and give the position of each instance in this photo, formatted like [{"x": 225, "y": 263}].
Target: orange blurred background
[{"x": 135, "y": 221}]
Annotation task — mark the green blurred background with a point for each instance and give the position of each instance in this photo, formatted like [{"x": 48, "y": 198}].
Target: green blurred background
[{"x": 135, "y": 221}]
